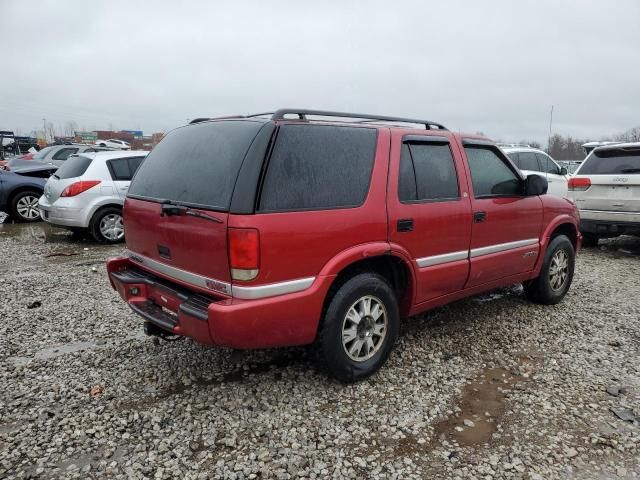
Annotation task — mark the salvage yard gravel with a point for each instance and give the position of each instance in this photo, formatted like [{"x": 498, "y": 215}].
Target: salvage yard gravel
[{"x": 489, "y": 387}]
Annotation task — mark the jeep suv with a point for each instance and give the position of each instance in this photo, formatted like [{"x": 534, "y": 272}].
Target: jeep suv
[
  {"x": 606, "y": 189},
  {"x": 304, "y": 226}
]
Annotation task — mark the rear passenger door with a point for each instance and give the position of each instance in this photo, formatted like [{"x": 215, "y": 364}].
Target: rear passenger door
[
  {"x": 506, "y": 224},
  {"x": 430, "y": 211},
  {"x": 122, "y": 171}
]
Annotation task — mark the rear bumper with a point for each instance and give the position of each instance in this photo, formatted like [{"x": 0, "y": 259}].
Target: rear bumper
[
  {"x": 609, "y": 224},
  {"x": 63, "y": 216},
  {"x": 283, "y": 320}
]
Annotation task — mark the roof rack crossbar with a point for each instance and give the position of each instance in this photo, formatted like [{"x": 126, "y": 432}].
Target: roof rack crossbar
[{"x": 302, "y": 113}]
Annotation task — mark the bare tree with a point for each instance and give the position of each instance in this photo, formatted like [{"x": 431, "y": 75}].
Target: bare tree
[
  {"x": 50, "y": 131},
  {"x": 70, "y": 128}
]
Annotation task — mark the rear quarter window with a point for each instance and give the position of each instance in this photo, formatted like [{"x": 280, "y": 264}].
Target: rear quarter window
[
  {"x": 611, "y": 162},
  {"x": 315, "y": 167},
  {"x": 73, "y": 167}
]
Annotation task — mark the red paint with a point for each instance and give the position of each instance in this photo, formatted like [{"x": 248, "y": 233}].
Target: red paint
[{"x": 321, "y": 244}]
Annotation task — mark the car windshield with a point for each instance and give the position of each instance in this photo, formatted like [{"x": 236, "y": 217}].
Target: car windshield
[
  {"x": 196, "y": 165},
  {"x": 612, "y": 161},
  {"x": 42, "y": 153}
]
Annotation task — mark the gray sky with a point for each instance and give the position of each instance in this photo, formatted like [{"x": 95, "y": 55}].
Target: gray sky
[{"x": 490, "y": 66}]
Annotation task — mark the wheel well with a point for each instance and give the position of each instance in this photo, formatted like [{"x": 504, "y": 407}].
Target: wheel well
[
  {"x": 392, "y": 268},
  {"x": 102, "y": 207},
  {"x": 566, "y": 229},
  {"x": 19, "y": 190}
]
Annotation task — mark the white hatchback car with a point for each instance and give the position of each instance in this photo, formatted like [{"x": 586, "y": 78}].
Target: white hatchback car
[
  {"x": 606, "y": 190},
  {"x": 532, "y": 160},
  {"x": 114, "y": 143},
  {"x": 87, "y": 193}
]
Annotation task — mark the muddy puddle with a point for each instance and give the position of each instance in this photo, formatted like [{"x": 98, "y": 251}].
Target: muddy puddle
[{"x": 483, "y": 404}]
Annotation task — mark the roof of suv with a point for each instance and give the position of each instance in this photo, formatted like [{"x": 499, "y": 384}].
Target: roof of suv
[
  {"x": 618, "y": 146},
  {"x": 521, "y": 149},
  {"x": 329, "y": 116}
]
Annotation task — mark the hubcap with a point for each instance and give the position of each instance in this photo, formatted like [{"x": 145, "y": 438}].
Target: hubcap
[
  {"x": 27, "y": 207},
  {"x": 364, "y": 328},
  {"x": 559, "y": 269},
  {"x": 111, "y": 227}
]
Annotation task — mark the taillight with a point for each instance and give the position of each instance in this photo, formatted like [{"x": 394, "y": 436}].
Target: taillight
[
  {"x": 78, "y": 187},
  {"x": 579, "y": 184},
  {"x": 244, "y": 253}
]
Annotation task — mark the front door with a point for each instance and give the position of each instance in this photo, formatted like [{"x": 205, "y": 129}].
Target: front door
[
  {"x": 506, "y": 225},
  {"x": 430, "y": 210}
]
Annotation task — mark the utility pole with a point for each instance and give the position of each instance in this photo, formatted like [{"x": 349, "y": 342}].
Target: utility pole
[{"x": 550, "y": 125}]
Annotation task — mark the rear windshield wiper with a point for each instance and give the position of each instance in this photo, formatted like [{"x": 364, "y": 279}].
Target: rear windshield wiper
[
  {"x": 55, "y": 176},
  {"x": 169, "y": 209}
]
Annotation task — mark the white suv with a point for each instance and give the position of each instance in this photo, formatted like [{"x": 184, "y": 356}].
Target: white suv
[
  {"x": 606, "y": 190},
  {"x": 87, "y": 193},
  {"x": 532, "y": 160}
]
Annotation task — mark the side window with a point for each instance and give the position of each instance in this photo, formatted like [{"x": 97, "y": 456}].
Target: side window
[
  {"x": 515, "y": 158},
  {"x": 427, "y": 172},
  {"x": 134, "y": 164},
  {"x": 64, "y": 153},
  {"x": 529, "y": 161},
  {"x": 318, "y": 167},
  {"x": 548, "y": 165},
  {"x": 119, "y": 169},
  {"x": 490, "y": 175}
]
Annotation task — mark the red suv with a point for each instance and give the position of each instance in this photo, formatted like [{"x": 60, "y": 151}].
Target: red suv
[{"x": 306, "y": 226}]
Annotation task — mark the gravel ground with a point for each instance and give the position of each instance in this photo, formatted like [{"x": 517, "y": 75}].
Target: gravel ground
[{"x": 490, "y": 387}]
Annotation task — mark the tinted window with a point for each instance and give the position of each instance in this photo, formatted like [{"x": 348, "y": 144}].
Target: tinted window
[
  {"x": 427, "y": 172},
  {"x": 318, "y": 166},
  {"x": 74, "y": 167},
  {"x": 134, "y": 164},
  {"x": 514, "y": 158},
  {"x": 547, "y": 164},
  {"x": 64, "y": 153},
  {"x": 611, "y": 162},
  {"x": 528, "y": 161},
  {"x": 119, "y": 169},
  {"x": 196, "y": 164},
  {"x": 490, "y": 175}
]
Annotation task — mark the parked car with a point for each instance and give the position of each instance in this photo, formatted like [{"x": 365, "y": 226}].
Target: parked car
[
  {"x": 57, "y": 154},
  {"x": 87, "y": 193},
  {"x": 606, "y": 189},
  {"x": 570, "y": 165},
  {"x": 328, "y": 228},
  {"x": 532, "y": 160},
  {"x": 20, "y": 190},
  {"x": 114, "y": 143}
]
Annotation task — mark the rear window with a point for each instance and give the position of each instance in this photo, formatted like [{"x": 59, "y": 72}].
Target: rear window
[
  {"x": 611, "y": 162},
  {"x": 316, "y": 167},
  {"x": 427, "y": 172},
  {"x": 42, "y": 153},
  {"x": 74, "y": 166},
  {"x": 196, "y": 165}
]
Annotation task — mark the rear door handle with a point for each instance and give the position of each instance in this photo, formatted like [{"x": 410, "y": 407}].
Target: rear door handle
[
  {"x": 405, "y": 225},
  {"x": 479, "y": 216}
]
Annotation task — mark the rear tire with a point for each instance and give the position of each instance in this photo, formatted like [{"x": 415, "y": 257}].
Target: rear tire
[
  {"x": 106, "y": 225},
  {"x": 589, "y": 240},
  {"x": 556, "y": 274},
  {"x": 24, "y": 206},
  {"x": 359, "y": 328}
]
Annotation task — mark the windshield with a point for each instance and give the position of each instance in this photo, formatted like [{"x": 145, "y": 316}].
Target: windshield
[
  {"x": 611, "y": 161},
  {"x": 42, "y": 153},
  {"x": 196, "y": 165}
]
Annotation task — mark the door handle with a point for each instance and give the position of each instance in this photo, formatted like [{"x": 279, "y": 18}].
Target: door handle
[
  {"x": 405, "y": 225},
  {"x": 479, "y": 216}
]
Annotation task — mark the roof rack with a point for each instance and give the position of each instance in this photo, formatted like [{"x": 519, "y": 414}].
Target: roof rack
[{"x": 302, "y": 115}]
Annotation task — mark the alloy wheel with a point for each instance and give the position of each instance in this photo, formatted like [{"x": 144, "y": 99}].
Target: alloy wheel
[
  {"x": 111, "y": 227},
  {"x": 559, "y": 269},
  {"x": 27, "y": 207},
  {"x": 364, "y": 328}
]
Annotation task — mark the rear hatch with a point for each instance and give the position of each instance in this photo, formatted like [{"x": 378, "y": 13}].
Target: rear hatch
[
  {"x": 70, "y": 171},
  {"x": 609, "y": 180},
  {"x": 177, "y": 206}
]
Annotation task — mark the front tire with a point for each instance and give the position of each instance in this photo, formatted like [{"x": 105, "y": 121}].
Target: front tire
[
  {"x": 359, "y": 328},
  {"x": 24, "y": 206},
  {"x": 106, "y": 225},
  {"x": 556, "y": 274}
]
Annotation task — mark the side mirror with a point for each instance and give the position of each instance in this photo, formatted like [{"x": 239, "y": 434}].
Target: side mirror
[
  {"x": 563, "y": 170},
  {"x": 535, "y": 185}
]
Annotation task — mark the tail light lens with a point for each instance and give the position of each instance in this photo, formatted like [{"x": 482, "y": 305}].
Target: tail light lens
[
  {"x": 78, "y": 187},
  {"x": 579, "y": 184},
  {"x": 244, "y": 253}
]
